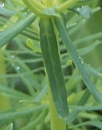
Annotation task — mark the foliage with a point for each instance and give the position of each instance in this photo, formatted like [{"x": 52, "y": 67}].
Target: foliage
[{"x": 25, "y": 45}]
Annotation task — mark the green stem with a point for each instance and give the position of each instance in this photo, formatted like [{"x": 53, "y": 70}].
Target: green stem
[
  {"x": 48, "y": 3},
  {"x": 32, "y": 7},
  {"x": 37, "y": 4},
  {"x": 65, "y": 5},
  {"x": 56, "y": 122}
]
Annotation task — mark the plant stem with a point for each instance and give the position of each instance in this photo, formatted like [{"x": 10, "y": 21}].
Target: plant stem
[
  {"x": 37, "y": 4},
  {"x": 32, "y": 7},
  {"x": 56, "y": 122},
  {"x": 65, "y": 5},
  {"x": 48, "y": 3}
]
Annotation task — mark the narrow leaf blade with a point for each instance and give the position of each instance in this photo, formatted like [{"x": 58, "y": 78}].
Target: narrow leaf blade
[
  {"x": 53, "y": 67},
  {"x": 65, "y": 38},
  {"x": 11, "y": 32}
]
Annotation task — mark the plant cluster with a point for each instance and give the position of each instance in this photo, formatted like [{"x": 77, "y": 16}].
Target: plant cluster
[{"x": 48, "y": 78}]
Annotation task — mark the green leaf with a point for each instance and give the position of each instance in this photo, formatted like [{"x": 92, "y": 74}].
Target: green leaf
[
  {"x": 93, "y": 71},
  {"x": 86, "y": 108},
  {"x": 34, "y": 123},
  {"x": 84, "y": 11},
  {"x": 89, "y": 38},
  {"x": 73, "y": 115},
  {"x": 11, "y": 32},
  {"x": 50, "y": 11},
  {"x": 13, "y": 93},
  {"x": 6, "y": 12},
  {"x": 95, "y": 123},
  {"x": 65, "y": 38},
  {"x": 35, "y": 46},
  {"x": 86, "y": 50},
  {"x": 10, "y": 127},
  {"x": 4, "y": 116},
  {"x": 53, "y": 66}
]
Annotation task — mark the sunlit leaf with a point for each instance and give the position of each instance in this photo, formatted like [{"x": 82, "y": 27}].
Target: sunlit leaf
[{"x": 10, "y": 127}]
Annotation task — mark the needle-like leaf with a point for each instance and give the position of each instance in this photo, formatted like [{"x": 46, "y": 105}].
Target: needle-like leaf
[{"x": 71, "y": 49}]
